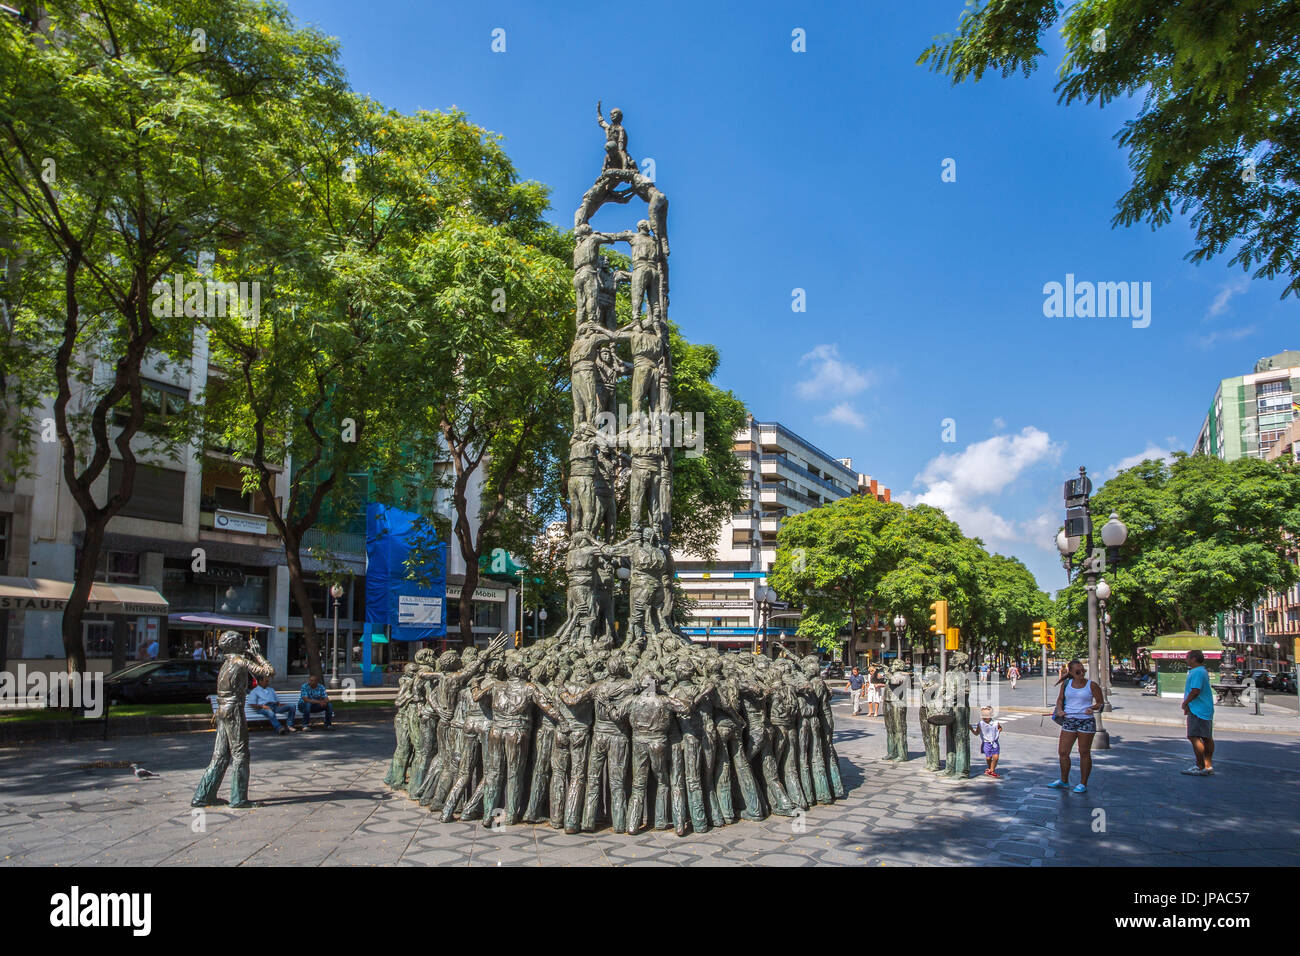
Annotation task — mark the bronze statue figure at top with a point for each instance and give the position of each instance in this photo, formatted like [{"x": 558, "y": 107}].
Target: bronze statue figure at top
[{"x": 605, "y": 710}]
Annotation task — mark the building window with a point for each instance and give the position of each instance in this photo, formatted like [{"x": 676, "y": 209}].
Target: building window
[
  {"x": 741, "y": 538},
  {"x": 158, "y": 493},
  {"x": 487, "y": 614},
  {"x": 1277, "y": 387},
  {"x": 161, "y": 400},
  {"x": 115, "y": 567},
  {"x": 99, "y": 637}
]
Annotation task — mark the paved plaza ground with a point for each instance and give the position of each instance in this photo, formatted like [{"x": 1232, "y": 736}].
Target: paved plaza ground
[{"x": 323, "y": 804}]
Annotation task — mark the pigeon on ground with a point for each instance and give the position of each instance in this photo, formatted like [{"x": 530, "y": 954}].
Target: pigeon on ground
[{"x": 142, "y": 773}]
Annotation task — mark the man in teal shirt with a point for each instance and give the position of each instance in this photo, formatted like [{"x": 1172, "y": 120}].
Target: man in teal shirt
[{"x": 1198, "y": 705}]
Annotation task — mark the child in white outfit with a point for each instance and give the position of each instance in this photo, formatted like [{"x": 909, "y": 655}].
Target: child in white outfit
[{"x": 989, "y": 733}]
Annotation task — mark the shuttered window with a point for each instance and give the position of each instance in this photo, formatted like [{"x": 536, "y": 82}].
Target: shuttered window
[{"x": 158, "y": 493}]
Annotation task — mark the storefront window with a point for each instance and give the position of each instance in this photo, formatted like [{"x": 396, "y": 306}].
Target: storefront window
[
  {"x": 99, "y": 637},
  {"x": 183, "y": 593},
  {"x": 487, "y": 615}
]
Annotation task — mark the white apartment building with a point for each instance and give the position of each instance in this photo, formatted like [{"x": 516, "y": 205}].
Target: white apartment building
[{"x": 785, "y": 474}]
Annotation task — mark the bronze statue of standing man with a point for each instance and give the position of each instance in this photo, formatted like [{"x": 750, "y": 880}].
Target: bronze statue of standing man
[{"x": 231, "y": 745}]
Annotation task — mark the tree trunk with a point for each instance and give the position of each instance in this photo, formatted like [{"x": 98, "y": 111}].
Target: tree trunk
[
  {"x": 298, "y": 588},
  {"x": 74, "y": 644}
]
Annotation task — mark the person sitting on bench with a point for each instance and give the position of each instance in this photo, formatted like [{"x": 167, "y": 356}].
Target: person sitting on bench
[
  {"x": 263, "y": 699},
  {"x": 314, "y": 698}
]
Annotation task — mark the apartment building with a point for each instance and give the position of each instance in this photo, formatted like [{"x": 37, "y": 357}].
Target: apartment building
[
  {"x": 1255, "y": 416},
  {"x": 785, "y": 474},
  {"x": 152, "y": 585}
]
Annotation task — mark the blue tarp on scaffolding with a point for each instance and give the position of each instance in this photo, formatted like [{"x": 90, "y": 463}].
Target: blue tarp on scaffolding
[{"x": 406, "y": 575}]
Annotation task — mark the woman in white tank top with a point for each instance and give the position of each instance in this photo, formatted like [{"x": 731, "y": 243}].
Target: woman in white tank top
[{"x": 1076, "y": 703}]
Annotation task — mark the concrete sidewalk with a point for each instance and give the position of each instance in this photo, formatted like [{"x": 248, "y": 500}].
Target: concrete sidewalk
[{"x": 1132, "y": 706}]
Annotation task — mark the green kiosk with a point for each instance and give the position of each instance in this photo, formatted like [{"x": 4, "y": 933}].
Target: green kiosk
[{"x": 1169, "y": 653}]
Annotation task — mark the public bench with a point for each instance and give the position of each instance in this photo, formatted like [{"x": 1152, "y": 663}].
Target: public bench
[{"x": 288, "y": 698}]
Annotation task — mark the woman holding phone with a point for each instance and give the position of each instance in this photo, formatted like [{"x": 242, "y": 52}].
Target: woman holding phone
[{"x": 1076, "y": 703}]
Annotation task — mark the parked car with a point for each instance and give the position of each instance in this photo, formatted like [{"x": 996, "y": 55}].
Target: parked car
[
  {"x": 1284, "y": 683},
  {"x": 1261, "y": 677},
  {"x": 179, "y": 681},
  {"x": 834, "y": 670}
]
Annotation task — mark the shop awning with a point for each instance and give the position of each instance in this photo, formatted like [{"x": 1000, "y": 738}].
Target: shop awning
[
  {"x": 214, "y": 621},
  {"x": 45, "y": 594}
]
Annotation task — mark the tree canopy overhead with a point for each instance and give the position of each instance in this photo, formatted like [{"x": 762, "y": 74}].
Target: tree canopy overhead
[
  {"x": 1218, "y": 131},
  {"x": 1205, "y": 536}
]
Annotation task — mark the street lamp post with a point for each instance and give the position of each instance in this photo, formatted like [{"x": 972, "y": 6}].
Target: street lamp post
[
  {"x": 900, "y": 630},
  {"x": 1113, "y": 534},
  {"x": 763, "y": 598},
  {"x": 336, "y": 592},
  {"x": 1103, "y": 595},
  {"x": 541, "y": 616}
]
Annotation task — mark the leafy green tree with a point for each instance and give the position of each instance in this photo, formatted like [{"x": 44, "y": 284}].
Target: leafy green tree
[
  {"x": 1205, "y": 535},
  {"x": 1007, "y": 604},
  {"x": 1218, "y": 131},
  {"x": 708, "y": 479},
  {"x": 493, "y": 291},
  {"x": 129, "y": 139},
  {"x": 364, "y": 206},
  {"x": 832, "y": 560},
  {"x": 932, "y": 560}
]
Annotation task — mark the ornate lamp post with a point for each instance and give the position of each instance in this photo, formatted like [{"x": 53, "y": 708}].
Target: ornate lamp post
[
  {"x": 1103, "y": 595},
  {"x": 900, "y": 631},
  {"x": 541, "y": 616},
  {"x": 763, "y": 598},
  {"x": 336, "y": 592},
  {"x": 1113, "y": 534}
]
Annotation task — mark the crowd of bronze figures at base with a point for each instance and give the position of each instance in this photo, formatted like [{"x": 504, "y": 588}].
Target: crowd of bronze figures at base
[{"x": 574, "y": 733}]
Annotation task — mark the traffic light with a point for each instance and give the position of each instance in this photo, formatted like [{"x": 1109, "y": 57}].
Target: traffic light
[
  {"x": 1051, "y": 638},
  {"x": 952, "y": 639},
  {"x": 519, "y": 639},
  {"x": 939, "y": 617},
  {"x": 1040, "y": 632}
]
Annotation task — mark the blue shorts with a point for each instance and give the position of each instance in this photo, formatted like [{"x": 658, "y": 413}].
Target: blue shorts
[{"x": 991, "y": 748}]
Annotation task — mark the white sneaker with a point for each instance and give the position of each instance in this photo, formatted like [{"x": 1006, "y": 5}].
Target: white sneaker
[{"x": 1195, "y": 772}]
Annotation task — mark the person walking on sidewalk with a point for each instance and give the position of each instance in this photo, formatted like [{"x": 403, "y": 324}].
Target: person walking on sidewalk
[
  {"x": 1198, "y": 705},
  {"x": 1013, "y": 675},
  {"x": 856, "y": 683},
  {"x": 1078, "y": 700}
]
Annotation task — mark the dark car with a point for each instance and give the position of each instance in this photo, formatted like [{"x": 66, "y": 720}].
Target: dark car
[
  {"x": 1261, "y": 677},
  {"x": 1285, "y": 683},
  {"x": 163, "y": 682},
  {"x": 834, "y": 670}
]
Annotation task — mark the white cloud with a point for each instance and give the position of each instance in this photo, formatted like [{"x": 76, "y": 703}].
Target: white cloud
[
  {"x": 831, "y": 377},
  {"x": 959, "y": 482},
  {"x": 1151, "y": 451},
  {"x": 999, "y": 423},
  {"x": 844, "y": 414},
  {"x": 1219, "y": 305}
]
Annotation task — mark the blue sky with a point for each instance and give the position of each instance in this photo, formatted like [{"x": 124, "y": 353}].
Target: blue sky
[{"x": 821, "y": 171}]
